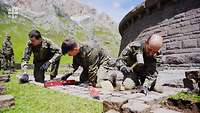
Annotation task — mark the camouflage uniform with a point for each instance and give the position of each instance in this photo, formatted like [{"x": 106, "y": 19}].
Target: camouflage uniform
[
  {"x": 145, "y": 75},
  {"x": 90, "y": 58},
  {"x": 45, "y": 52},
  {"x": 1, "y": 58},
  {"x": 8, "y": 54}
]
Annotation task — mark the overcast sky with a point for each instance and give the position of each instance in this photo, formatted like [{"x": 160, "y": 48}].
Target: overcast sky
[{"x": 115, "y": 8}]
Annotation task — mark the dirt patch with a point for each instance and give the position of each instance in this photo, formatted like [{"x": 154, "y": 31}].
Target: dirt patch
[{"x": 186, "y": 106}]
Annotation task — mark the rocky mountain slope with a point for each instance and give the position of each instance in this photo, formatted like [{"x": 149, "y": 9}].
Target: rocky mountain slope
[{"x": 58, "y": 19}]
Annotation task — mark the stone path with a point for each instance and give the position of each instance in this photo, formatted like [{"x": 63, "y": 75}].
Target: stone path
[{"x": 129, "y": 101}]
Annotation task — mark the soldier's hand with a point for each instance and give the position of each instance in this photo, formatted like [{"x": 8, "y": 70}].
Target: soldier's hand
[
  {"x": 45, "y": 66},
  {"x": 66, "y": 76},
  {"x": 126, "y": 70},
  {"x": 144, "y": 90},
  {"x": 24, "y": 66}
]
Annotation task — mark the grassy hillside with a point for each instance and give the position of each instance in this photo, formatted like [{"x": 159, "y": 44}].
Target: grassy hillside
[{"x": 19, "y": 29}]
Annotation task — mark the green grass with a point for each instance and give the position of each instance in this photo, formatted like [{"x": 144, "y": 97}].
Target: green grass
[
  {"x": 80, "y": 34},
  {"x": 34, "y": 99},
  {"x": 186, "y": 96},
  {"x": 110, "y": 43}
]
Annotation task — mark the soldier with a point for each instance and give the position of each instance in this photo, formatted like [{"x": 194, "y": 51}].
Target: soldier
[
  {"x": 137, "y": 61},
  {"x": 1, "y": 58},
  {"x": 7, "y": 53},
  {"x": 88, "y": 57},
  {"x": 45, "y": 53}
]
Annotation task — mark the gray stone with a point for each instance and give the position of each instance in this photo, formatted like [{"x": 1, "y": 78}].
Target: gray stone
[
  {"x": 168, "y": 91},
  {"x": 5, "y": 78},
  {"x": 163, "y": 110},
  {"x": 114, "y": 103},
  {"x": 6, "y": 101},
  {"x": 135, "y": 107},
  {"x": 2, "y": 89},
  {"x": 175, "y": 59},
  {"x": 129, "y": 84},
  {"x": 192, "y": 43},
  {"x": 107, "y": 85},
  {"x": 151, "y": 98},
  {"x": 117, "y": 94},
  {"x": 133, "y": 96},
  {"x": 112, "y": 111},
  {"x": 174, "y": 45}
]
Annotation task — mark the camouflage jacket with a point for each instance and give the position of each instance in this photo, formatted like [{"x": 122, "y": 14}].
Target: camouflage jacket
[
  {"x": 90, "y": 58},
  {"x": 47, "y": 51},
  {"x": 7, "y": 48},
  {"x": 128, "y": 58}
]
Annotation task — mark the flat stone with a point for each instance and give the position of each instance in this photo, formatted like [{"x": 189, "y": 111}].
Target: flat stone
[
  {"x": 163, "y": 110},
  {"x": 128, "y": 84},
  {"x": 112, "y": 111},
  {"x": 104, "y": 97},
  {"x": 117, "y": 94},
  {"x": 107, "y": 85},
  {"x": 135, "y": 101},
  {"x": 4, "y": 78},
  {"x": 168, "y": 91},
  {"x": 133, "y": 96},
  {"x": 151, "y": 98},
  {"x": 127, "y": 92},
  {"x": 6, "y": 101},
  {"x": 2, "y": 89},
  {"x": 135, "y": 107},
  {"x": 113, "y": 103},
  {"x": 103, "y": 92}
]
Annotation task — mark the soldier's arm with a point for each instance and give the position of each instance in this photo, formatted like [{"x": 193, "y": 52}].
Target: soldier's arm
[
  {"x": 126, "y": 54},
  {"x": 27, "y": 54},
  {"x": 68, "y": 74},
  {"x": 92, "y": 61},
  {"x": 4, "y": 46},
  {"x": 151, "y": 74},
  {"x": 75, "y": 64},
  {"x": 57, "y": 52}
]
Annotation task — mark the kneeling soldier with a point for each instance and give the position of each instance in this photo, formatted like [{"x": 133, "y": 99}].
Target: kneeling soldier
[
  {"x": 88, "y": 57},
  {"x": 137, "y": 62},
  {"x": 45, "y": 53}
]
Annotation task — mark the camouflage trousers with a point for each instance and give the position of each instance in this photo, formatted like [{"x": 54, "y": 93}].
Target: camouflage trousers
[
  {"x": 8, "y": 62},
  {"x": 39, "y": 75},
  {"x": 141, "y": 79},
  {"x": 108, "y": 74}
]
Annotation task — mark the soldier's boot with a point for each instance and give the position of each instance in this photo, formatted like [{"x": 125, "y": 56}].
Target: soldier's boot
[
  {"x": 5, "y": 65},
  {"x": 12, "y": 64},
  {"x": 54, "y": 69}
]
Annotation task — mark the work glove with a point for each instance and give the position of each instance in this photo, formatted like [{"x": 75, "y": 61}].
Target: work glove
[
  {"x": 126, "y": 70},
  {"x": 143, "y": 89},
  {"x": 24, "y": 66},
  {"x": 45, "y": 66},
  {"x": 66, "y": 76}
]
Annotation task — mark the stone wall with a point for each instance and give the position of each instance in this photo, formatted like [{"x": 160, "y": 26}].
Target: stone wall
[{"x": 178, "y": 21}]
